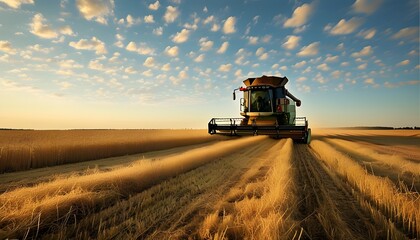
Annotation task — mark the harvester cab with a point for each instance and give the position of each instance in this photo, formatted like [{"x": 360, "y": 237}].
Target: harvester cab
[{"x": 268, "y": 108}]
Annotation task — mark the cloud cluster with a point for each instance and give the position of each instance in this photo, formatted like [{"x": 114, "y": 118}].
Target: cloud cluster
[
  {"x": 182, "y": 36},
  {"x": 16, "y": 3},
  {"x": 6, "y": 46},
  {"x": 291, "y": 42},
  {"x": 96, "y": 10},
  {"x": 300, "y": 16},
  {"x": 366, "y": 6},
  {"x": 142, "y": 49},
  {"x": 171, "y": 14},
  {"x": 172, "y": 51},
  {"x": 223, "y": 48},
  {"x": 344, "y": 27},
  {"x": 154, "y": 6},
  {"x": 366, "y": 51},
  {"x": 310, "y": 50},
  {"x": 39, "y": 28},
  {"x": 229, "y": 25},
  {"x": 92, "y": 44}
]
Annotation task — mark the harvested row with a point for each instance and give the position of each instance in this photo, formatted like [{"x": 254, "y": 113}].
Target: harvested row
[
  {"x": 28, "y": 149},
  {"x": 258, "y": 205},
  {"x": 404, "y": 173},
  {"x": 42, "y": 205},
  {"x": 401, "y": 208},
  {"x": 399, "y": 163},
  {"x": 175, "y": 208},
  {"x": 325, "y": 209}
]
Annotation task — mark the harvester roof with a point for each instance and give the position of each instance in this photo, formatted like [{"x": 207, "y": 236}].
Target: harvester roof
[{"x": 266, "y": 80}]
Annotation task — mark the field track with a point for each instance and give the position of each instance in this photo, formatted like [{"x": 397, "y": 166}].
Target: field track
[{"x": 234, "y": 189}]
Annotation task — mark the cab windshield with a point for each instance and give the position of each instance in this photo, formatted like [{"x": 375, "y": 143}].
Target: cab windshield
[{"x": 260, "y": 101}]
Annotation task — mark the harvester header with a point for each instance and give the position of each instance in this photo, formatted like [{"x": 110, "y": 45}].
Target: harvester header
[{"x": 268, "y": 108}]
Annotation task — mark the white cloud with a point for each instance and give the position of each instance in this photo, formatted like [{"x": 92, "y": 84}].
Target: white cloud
[
  {"x": 344, "y": 27},
  {"x": 336, "y": 74},
  {"x": 119, "y": 37},
  {"x": 301, "y": 79},
  {"x": 366, "y": 51},
  {"x": 266, "y": 39},
  {"x": 149, "y": 62},
  {"x": 225, "y": 67},
  {"x": 215, "y": 27},
  {"x": 370, "y": 81},
  {"x": 362, "y": 66},
  {"x": 132, "y": 21},
  {"x": 171, "y": 14},
  {"x": 411, "y": 33},
  {"x": 310, "y": 50},
  {"x": 95, "y": 9},
  {"x": 366, "y": 6},
  {"x": 114, "y": 57},
  {"x": 331, "y": 58},
  {"x": 413, "y": 53},
  {"x": 208, "y": 20},
  {"x": 38, "y": 48},
  {"x": 300, "y": 16},
  {"x": 93, "y": 44},
  {"x": 66, "y": 30},
  {"x": 40, "y": 29},
  {"x": 172, "y": 51},
  {"x": 16, "y": 3},
  {"x": 6, "y": 46},
  {"x": 323, "y": 67},
  {"x": 154, "y": 6},
  {"x": 166, "y": 67},
  {"x": 291, "y": 42},
  {"x": 300, "y": 64},
  {"x": 142, "y": 49},
  {"x": 147, "y": 73},
  {"x": 183, "y": 74},
  {"x": 96, "y": 65},
  {"x": 229, "y": 25},
  {"x": 5, "y": 58},
  {"x": 367, "y": 34},
  {"x": 205, "y": 44},
  {"x": 158, "y": 31},
  {"x": 223, "y": 48},
  {"x": 252, "y": 40},
  {"x": 239, "y": 73},
  {"x": 182, "y": 36},
  {"x": 259, "y": 51},
  {"x": 200, "y": 58},
  {"x": 403, "y": 63},
  {"x": 149, "y": 19}
]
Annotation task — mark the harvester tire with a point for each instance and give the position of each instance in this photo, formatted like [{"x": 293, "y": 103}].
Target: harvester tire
[{"x": 307, "y": 139}]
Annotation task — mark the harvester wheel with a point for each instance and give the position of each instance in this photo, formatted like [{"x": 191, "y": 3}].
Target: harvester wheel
[{"x": 307, "y": 139}]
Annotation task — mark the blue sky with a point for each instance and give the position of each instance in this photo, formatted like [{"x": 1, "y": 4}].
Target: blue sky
[{"x": 173, "y": 63}]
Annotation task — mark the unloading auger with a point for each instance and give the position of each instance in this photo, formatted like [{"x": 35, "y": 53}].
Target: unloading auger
[{"x": 268, "y": 108}]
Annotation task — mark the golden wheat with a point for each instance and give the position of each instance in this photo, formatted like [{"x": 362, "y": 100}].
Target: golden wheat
[
  {"x": 398, "y": 205},
  {"x": 22, "y": 150}
]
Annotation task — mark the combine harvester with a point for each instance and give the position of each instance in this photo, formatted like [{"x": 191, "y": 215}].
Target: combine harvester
[{"x": 268, "y": 109}]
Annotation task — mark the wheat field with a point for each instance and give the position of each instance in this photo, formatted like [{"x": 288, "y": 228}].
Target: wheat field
[{"x": 180, "y": 184}]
